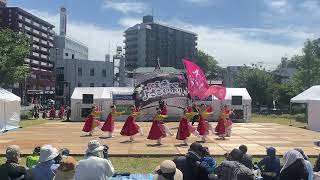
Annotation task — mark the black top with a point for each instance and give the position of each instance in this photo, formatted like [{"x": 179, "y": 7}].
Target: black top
[
  {"x": 247, "y": 161},
  {"x": 12, "y": 171},
  {"x": 296, "y": 171}
]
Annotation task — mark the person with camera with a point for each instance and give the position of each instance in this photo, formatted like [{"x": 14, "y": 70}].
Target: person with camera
[
  {"x": 95, "y": 165},
  {"x": 194, "y": 164}
]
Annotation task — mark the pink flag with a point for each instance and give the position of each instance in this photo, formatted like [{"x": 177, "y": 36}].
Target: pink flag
[
  {"x": 197, "y": 81},
  {"x": 198, "y": 84}
]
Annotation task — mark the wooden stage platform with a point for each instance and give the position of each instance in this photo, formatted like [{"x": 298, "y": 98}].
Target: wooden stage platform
[{"x": 257, "y": 136}]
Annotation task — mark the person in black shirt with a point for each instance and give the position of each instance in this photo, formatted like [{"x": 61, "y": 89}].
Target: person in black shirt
[{"x": 246, "y": 158}]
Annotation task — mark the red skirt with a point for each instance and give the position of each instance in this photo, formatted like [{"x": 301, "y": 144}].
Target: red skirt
[
  {"x": 157, "y": 130},
  {"x": 90, "y": 124},
  {"x": 52, "y": 113},
  {"x": 184, "y": 130},
  {"x": 130, "y": 127},
  {"x": 109, "y": 124},
  {"x": 220, "y": 128},
  {"x": 203, "y": 126},
  {"x": 61, "y": 113}
]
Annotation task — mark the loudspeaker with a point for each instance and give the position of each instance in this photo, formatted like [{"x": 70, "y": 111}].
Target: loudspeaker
[
  {"x": 87, "y": 98},
  {"x": 85, "y": 112},
  {"x": 236, "y": 100},
  {"x": 237, "y": 114}
]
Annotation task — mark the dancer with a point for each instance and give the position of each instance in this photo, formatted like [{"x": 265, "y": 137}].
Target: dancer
[
  {"x": 108, "y": 126},
  {"x": 91, "y": 122},
  {"x": 185, "y": 128},
  {"x": 196, "y": 110},
  {"x": 52, "y": 112},
  {"x": 158, "y": 129},
  {"x": 61, "y": 112},
  {"x": 203, "y": 125},
  {"x": 223, "y": 128},
  {"x": 130, "y": 127}
]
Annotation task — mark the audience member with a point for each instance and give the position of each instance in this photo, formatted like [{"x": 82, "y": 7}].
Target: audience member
[
  {"x": 47, "y": 167},
  {"x": 307, "y": 163},
  {"x": 189, "y": 164},
  {"x": 294, "y": 167},
  {"x": 207, "y": 162},
  {"x": 66, "y": 170},
  {"x": 11, "y": 168},
  {"x": 317, "y": 164},
  {"x": 232, "y": 169},
  {"x": 246, "y": 158},
  {"x": 33, "y": 159},
  {"x": 94, "y": 166},
  {"x": 270, "y": 165},
  {"x": 167, "y": 171},
  {"x": 64, "y": 152}
]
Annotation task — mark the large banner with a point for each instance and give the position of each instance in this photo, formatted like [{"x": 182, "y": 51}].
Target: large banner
[{"x": 165, "y": 86}]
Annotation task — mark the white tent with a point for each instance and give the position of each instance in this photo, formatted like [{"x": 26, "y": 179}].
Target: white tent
[
  {"x": 311, "y": 97},
  {"x": 102, "y": 97},
  {"x": 9, "y": 110},
  {"x": 243, "y": 107}
]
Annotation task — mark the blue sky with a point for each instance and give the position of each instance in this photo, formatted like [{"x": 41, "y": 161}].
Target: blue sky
[{"x": 236, "y": 32}]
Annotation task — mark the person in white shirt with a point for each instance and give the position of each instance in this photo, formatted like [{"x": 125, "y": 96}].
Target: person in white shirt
[{"x": 94, "y": 166}]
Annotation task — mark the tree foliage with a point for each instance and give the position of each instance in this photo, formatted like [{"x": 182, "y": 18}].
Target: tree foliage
[
  {"x": 258, "y": 83},
  {"x": 14, "y": 48},
  {"x": 208, "y": 64}
]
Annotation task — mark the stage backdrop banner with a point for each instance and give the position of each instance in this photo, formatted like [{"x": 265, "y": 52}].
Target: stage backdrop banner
[{"x": 165, "y": 86}]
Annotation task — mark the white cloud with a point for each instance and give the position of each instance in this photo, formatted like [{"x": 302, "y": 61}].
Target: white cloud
[
  {"x": 126, "y": 6},
  {"x": 95, "y": 37},
  {"x": 128, "y": 22},
  {"x": 198, "y": 1},
  {"x": 278, "y": 3}
]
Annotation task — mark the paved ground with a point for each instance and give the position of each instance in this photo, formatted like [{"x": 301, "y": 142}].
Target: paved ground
[{"x": 257, "y": 136}]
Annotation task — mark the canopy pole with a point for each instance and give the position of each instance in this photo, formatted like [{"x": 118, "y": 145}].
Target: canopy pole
[{"x": 290, "y": 110}]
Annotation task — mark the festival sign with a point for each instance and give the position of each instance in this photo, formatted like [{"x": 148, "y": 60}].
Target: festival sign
[{"x": 165, "y": 86}]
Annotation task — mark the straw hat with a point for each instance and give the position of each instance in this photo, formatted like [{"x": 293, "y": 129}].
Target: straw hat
[{"x": 167, "y": 168}]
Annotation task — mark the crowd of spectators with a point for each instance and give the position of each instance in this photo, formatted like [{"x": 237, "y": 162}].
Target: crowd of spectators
[{"x": 47, "y": 163}]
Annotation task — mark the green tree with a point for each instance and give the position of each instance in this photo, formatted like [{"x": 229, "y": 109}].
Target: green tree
[
  {"x": 258, "y": 83},
  {"x": 308, "y": 66},
  {"x": 14, "y": 48},
  {"x": 208, "y": 64}
]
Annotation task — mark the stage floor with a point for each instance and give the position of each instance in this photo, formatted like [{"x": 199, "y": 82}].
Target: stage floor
[{"x": 257, "y": 136}]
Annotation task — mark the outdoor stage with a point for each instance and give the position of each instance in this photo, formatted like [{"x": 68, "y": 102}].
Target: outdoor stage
[{"x": 257, "y": 136}]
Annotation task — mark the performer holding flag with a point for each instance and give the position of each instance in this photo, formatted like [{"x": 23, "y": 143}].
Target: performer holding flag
[
  {"x": 158, "y": 129},
  {"x": 108, "y": 126},
  {"x": 130, "y": 127},
  {"x": 91, "y": 122},
  {"x": 185, "y": 128}
]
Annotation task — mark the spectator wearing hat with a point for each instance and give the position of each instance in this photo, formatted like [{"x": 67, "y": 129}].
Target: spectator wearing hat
[
  {"x": 307, "y": 163},
  {"x": 33, "y": 159},
  {"x": 47, "y": 167},
  {"x": 246, "y": 158},
  {"x": 94, "y": 166},
  {"x": 11, "y": 168},
  {"x": 66, "y": 170},
  {"x": 167, "y": 171},
  {"x": 192, "y": 165},
  {"x": 232, "y": 169}
]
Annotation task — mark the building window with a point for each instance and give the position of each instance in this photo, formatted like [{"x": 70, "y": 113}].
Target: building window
[
  {"x": 72, "y": 56},
  {"x": 91, "y": 72},
  {"x": 79, "y": 85},
  {"x": 91, "y": 84},
  {"x": 103, "y": 85},
  {"x": 79, "y": 71},
  {"x": 104, "y": 73}
]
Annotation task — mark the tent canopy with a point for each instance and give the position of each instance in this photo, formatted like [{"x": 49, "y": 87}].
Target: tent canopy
[
  {"x": 311, "y": 94},
  {"x": 8, "y": 96},
  {"x": 237, "y": 92},
  {"x": 100, "y": 92}
]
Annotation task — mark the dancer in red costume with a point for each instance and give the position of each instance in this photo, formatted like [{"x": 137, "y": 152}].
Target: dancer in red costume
[
  {"x": 185, "y": 128},
  {"x": 224, "y": 125},
  {"x": 108, "y": 126},
  {"x": 158, "y": 129},
  {"x": 52, "y": 112},
  {"x": 130, "y": 127},
  {"x": 61, "y": 112},
  {"x": 203, "y": 125},
  {"x": 91, "y": 122}
]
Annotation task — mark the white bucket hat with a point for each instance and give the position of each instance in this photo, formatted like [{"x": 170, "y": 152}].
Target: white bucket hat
[
  {"x": 94, "y": 146},
  {"x": 47, "y": 153},
  {"x": 167, "y": 168}
]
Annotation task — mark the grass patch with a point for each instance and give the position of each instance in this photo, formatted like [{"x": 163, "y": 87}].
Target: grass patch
[
  {"x": 32, "y": 122},
  {"x": 276, "y": 119}
]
